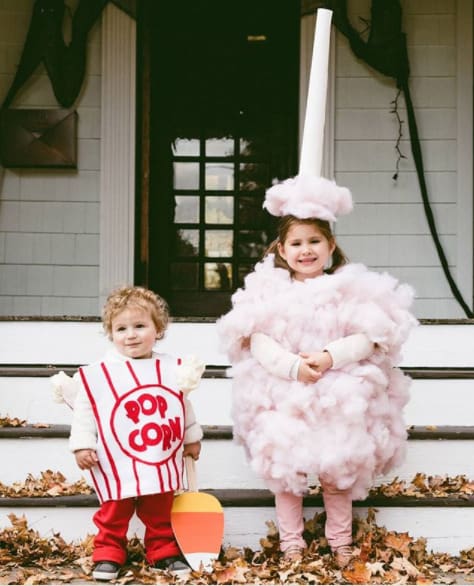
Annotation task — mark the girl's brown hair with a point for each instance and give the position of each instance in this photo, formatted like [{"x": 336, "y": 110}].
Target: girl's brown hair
[
  {"x": 128, "y": 297},
  {"x": 339, "y": 259}
]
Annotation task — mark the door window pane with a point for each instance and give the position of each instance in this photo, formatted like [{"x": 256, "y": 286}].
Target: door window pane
[
  {"x": 219, "y": 147},
  {"x": 185, "y": 147},
  {"x": 218, "y": 243},
  {"x": 218, "y": 276},
  {"x": 219, "y": 210},
  {"x": 186, "y": 175},
  {"x": 187, "y": 242},
  {"x": 219, "y": 176},
  {"x": 187, "y": 209}
]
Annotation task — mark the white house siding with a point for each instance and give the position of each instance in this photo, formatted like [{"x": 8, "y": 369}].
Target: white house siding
[
  {"x": 388, "y": 229},
  {"x": 49, "y": 219}
]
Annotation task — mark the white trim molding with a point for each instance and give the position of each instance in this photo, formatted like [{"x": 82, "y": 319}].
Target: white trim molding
[{"x": 117, "y": 167}]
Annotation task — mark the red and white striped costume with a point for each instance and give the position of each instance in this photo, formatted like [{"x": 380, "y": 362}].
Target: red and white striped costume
[{"x": 139, "y": 413}]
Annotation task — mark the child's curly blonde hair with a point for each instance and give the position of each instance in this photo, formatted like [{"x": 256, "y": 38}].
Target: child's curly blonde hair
[{"x": 127, "y": 297}]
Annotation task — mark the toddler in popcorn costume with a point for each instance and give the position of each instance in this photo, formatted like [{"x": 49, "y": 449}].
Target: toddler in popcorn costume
[
  {"x": 314, "y": 342},
  {"x": 132, "y": 424}
]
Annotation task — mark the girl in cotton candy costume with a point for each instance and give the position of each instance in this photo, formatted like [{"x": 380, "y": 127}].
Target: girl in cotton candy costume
[{"x": 314, "y": 353}]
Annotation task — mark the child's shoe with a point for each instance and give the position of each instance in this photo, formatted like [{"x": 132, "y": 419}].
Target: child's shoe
[
  {"x": 106, "y": 571},
  {"x": 293, "y": 554},
  {"x": 174, "y": 565},
  {"x": 343, "y": 555}
]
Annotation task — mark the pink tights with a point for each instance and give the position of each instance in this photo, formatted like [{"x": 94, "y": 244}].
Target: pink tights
[{"x": 289, "y": 512}]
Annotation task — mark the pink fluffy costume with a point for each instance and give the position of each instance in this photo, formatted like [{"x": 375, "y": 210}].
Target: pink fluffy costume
[{"x": 348, "y": 426}]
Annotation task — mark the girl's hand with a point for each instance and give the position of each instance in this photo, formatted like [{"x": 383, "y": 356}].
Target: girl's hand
[
  {"x": 192, "y": 450},
  {"x": 86, "y": 459},
  {"x": 306, "y": 373},
  {"x": 319, "y": 361}
]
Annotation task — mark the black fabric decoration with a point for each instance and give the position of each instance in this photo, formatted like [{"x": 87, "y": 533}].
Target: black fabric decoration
[
  {"x": 65, "y": 64},
  {"x": 386, "y": 51}
]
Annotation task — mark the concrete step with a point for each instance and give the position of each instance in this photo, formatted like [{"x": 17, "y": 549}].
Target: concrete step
[
  {"x": 437, "y": 343},
  {"x": 446, "y": 524},
  {"x": 434, "y": 452},
  {"x": 25, "y": 393}
]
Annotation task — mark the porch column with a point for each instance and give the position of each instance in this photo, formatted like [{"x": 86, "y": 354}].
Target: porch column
[{"x": 117, "y": 167}]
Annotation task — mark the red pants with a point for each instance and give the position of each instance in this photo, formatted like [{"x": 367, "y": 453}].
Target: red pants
[{"x": 113, "y": 518}]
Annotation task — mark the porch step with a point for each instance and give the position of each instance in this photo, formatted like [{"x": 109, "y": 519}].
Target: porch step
[
  {"x": 438, "y": 357},
  {"x": 446, "y": 523},
  {"x": 444, "y": 451},
  {"x": 439, "y": 396}
]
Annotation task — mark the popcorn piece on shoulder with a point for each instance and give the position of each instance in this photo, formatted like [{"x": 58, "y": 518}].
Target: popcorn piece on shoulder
[
  {"x": 189, "y": 373},
  {"x": 64, "y": 388}
]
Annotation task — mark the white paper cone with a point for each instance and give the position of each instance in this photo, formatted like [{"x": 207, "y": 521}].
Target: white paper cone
[{"x": 313, "y": 130}]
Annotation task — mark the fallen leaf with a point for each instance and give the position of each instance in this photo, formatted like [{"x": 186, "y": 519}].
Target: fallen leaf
[{"x": 357, "y": 573}]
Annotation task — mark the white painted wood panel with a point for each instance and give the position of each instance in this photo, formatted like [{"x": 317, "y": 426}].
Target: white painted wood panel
[
  {"x": 378, "y": 187},
  {"x": 446, "y": 530},
  {"x": 440, "y": 345},
  {"x": 427, "y": 7},
  {"x": 379, "y": 155},
  {"x": 431, "y": 29},
  {"x": 223, "y": 464},
  {"x": 441, "y": 402},
  {"x": 391, "y": 251},
  {"x": 31, "y": 342},
  {"x": 441, "y": 307},
  {"x": 434, "y": 92},
  {"x": 379, "y": 124},
  {"x": 394, "y": 218},
  {"x": 432, "y": 402}
]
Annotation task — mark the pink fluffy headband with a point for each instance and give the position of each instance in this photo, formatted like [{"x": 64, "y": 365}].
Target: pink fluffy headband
[{"x": 307, "y": 196}]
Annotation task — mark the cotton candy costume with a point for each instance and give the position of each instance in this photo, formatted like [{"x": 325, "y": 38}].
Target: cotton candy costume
[{"x": 348, "y": 426}]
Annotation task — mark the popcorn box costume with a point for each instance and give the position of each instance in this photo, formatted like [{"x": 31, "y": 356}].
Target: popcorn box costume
[
  {"x": 139, "y": 414},
  {"x": 115, "y": 377}
]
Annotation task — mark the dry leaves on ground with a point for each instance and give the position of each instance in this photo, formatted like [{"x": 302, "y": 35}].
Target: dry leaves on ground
[
  {"x": 382, "y": 557},
  {"x": 48, "y": 485},
  {"x": 12, "y": 422},
  {"x": 422, "y": 486}
]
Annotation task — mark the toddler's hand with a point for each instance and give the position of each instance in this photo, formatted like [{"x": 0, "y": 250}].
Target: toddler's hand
[
  {"x": 192, "y": 450},
  {"x": 86, "y": 459}
]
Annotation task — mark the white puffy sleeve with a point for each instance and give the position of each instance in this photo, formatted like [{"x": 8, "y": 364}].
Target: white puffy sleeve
[
  {"x": 273, "y": 357},
  {"x": 349, "y": 349}
]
